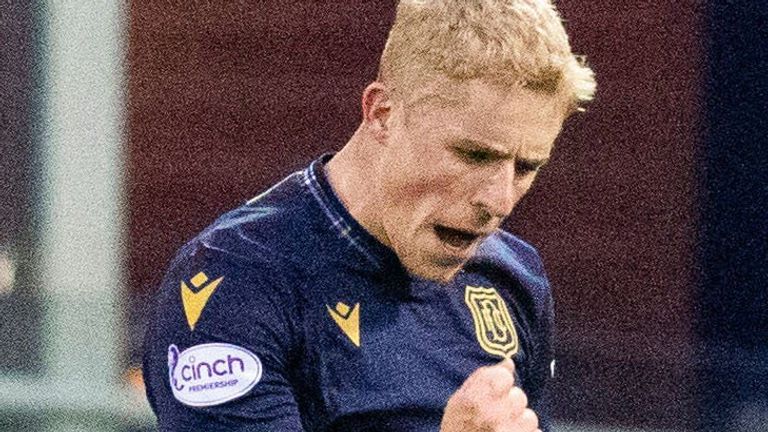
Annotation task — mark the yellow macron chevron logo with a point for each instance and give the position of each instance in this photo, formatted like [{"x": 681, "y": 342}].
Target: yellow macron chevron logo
[
  {"x": 348, "y": 320},
  {"x": 194, "y": 302}
]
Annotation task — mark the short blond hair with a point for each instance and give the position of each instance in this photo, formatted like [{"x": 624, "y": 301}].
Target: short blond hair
[{"x": 503, "y": 42}]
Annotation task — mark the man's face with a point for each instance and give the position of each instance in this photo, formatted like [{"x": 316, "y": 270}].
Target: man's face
[{"x": 454, "y": 169}]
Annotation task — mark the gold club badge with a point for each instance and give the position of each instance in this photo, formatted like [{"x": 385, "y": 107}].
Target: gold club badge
[{"x": 493, "y": 325}]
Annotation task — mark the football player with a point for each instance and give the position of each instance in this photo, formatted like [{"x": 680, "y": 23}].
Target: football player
[{"x": 374, "y": 290}]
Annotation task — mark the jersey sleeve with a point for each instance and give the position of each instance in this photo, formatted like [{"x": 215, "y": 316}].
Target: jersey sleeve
[
  {"x": 220, "y": 347},
  {"x": 542, "y": 369}
]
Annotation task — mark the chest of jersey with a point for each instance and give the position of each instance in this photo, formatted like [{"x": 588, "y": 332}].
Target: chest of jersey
[{"x": 384, "y": 358}]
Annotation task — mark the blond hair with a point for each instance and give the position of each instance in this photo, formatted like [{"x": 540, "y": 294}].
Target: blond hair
[{"x": 503, "y": 42}]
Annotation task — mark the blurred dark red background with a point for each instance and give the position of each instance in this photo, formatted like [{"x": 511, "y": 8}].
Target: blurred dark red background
[{"x": 225, "y": 98}]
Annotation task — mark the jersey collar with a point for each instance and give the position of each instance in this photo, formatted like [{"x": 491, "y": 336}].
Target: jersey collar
[{"x": 341, "y": 222}]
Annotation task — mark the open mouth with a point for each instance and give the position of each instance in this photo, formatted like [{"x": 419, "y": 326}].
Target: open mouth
[{"x": 454, "y": 237}]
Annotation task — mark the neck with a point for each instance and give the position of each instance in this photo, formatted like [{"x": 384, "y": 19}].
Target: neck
[{"x": 353, "y": 174}]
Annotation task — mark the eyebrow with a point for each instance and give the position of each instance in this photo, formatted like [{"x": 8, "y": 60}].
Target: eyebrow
[{"x": 531, "y": 163}]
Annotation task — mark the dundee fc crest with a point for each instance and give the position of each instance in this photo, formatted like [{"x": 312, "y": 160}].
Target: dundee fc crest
[{"x": 493, "y": 324}]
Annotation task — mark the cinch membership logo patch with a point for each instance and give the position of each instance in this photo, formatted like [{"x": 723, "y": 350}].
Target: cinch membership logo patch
[
  {"x": 211, "y": 374},
  {"x": 493, "y": 324}
]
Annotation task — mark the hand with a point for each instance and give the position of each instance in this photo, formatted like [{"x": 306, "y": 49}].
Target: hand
[{"x": 489, "y": 401}]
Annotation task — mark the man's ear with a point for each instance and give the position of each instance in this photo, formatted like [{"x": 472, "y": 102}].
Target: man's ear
[{"x": 377, "y": 108}]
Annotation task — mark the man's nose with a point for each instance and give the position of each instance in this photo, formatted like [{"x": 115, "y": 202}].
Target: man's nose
[{"x": 498, "y": 195}]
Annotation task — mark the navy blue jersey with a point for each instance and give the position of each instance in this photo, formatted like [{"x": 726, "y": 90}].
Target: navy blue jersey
[{"x": 286, "y": 315}]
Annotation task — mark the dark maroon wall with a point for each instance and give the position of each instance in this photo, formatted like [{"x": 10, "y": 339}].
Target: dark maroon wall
[
  {"x": 614, "y": 216},
  {"x": 224, "y": 100}
]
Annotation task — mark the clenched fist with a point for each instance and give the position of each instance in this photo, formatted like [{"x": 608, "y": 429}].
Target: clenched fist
[{"x": 488, "y": 401}]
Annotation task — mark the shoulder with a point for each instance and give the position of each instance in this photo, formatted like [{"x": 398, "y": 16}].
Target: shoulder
[
  {"x": 514, "y": 249},
  {"x": 237, "y": 268},
  {"x": 262, "y": 229},
  {"x": 510, "y": 255},
  {"x": 284, "y": 226}
]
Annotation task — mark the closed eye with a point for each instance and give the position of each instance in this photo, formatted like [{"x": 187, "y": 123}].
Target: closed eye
[
  {"x": 473, "y": 153},
  {"x": 476, "y": 156},
  {"x": 526, "y": 167}
]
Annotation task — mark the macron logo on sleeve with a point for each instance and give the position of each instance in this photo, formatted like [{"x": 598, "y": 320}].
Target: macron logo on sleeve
[{"x": 194, "y": 302}]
